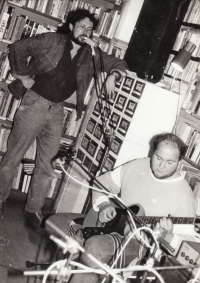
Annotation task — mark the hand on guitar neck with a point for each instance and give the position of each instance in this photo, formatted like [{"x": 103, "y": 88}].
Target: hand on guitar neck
[{"x": 106, "y": 212}]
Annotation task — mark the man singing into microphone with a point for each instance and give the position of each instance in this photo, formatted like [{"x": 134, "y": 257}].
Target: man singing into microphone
[{"x": 61, "y": 63}]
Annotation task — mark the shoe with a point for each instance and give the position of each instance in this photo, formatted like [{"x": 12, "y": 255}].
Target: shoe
[
  {"x": 35, "y": 217},
  {"x": 1, "y": 208}
]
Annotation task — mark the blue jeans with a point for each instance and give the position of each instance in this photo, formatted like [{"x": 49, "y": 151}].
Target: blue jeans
[{"x": 40, "y": 119}]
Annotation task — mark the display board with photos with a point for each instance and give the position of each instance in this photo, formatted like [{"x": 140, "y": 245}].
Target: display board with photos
[{"x": 117, "y": 114}]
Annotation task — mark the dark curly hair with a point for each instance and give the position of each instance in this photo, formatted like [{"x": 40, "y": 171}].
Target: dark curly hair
[
  {"x": 169, "y": 138},
  {"x": 75, "y": 16}
]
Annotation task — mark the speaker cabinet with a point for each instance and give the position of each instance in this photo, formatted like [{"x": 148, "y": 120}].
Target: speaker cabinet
[{"x": 154, "y": 36}]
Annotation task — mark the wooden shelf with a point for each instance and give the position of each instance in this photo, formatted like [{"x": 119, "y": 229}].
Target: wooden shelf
[
  {"x": 196, "y": 26},
  {"x": 192, "y": 163},
  {"x": 68, "y": 137},
  {"x": 6, "y": 122},
  {"x": 24, "y": 160}
]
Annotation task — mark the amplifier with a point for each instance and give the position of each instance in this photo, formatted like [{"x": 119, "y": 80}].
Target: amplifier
[{"x": 189, "y": 254}]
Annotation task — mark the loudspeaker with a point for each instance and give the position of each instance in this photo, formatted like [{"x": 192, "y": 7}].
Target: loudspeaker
[{"x": 154, "y": 36}]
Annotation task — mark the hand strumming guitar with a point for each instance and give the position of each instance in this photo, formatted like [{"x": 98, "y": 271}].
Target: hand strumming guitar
[{"x": 106, "y": 212}]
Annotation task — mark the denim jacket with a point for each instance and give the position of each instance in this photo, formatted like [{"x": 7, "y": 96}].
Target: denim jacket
[{"x": 45, "y": 51}]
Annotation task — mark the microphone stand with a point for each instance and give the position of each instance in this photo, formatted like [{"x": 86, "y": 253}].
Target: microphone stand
[{"x": 108, "y": 133}]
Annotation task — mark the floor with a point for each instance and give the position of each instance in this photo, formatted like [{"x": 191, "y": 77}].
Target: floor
[{"x": 21, "y": 242}]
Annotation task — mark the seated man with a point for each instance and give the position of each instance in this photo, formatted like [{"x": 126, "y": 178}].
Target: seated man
[{"x": 157, "y": 186}]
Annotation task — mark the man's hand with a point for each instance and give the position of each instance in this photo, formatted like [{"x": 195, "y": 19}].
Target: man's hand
[
  {"x": 110, "y": 85},
  {"x": 28, "y": 82},
  {"x": 106, "y": 212},
  {"x": 165, "y": 226}
]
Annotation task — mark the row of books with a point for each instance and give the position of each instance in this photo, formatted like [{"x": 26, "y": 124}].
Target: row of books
[
  {"x": 188, "y": 34},
  {"x": 15, "y": 27},
  {"x": 196, "y": 193},
  {"x": 191, "y": 102},
  {"x": 193, "y": 12},
  {"x": 66, "y": 119},
  {"x": 55, "y": 183},
  {"x": 8, "y": 105},
  {"x": 108, "y": 22},
  {"x": 117, "y": 52},
  {"x": 22, "y": 179},
  {"x": 191, "y": 137},
  {"x": 24, "y": 174},
  {"x": 191, "y": 175},
  {"x": 54, "y": 8},
  {"x": 108, "y": 19},
  {"x": 186, "y": 75},
  {"x": 4, "y": 134}
]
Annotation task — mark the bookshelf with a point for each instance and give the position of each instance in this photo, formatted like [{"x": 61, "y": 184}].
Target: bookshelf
[
  {"x": 189, "y": 31},
  {"x": 25, "y": 18},
  {"x": 187, "y": 126}
]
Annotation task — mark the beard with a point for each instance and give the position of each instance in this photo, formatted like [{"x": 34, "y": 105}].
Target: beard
[
  {"x": 77, "y": 40},
  {"x": 163, "y": 176}
]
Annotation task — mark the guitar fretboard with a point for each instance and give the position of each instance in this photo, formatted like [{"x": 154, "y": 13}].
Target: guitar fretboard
[{"x": 152, "y": 220}]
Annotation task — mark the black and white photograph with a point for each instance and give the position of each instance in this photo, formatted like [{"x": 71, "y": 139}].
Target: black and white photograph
[{"x": 99, "y": 141}]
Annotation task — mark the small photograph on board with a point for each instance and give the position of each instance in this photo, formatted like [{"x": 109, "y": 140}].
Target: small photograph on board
[
  {"x": 98, "y": 131},
  {"x": 130, "y": 108},
  {"x": 120, "y": 103},
  {"x": 110, "y": 162},
  {"x": 80, "y": 155},
  {"x": 85, "y": 142},
  {"x": 112, "y": 99},
  {"x": 92, "y": 147},
  {"x": 93, "y": 169},
  {"x": 116, "y": 145},
  {"x": 91, "y": 125},
  {"x": 138, "y": 89},
  {"x": 114, "y": 121},
  {"x": 99, "y": 155},
  {"x": 127, "y": 85},
  {"x": 97, "y": 109},
  {"x": 87, "y": 162},
  {"x": 117, "y": 84},
  {"x": 123, "y": 127}
]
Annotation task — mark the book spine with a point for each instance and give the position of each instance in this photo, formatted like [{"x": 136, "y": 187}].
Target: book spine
[{"x": 3, "y": 24}]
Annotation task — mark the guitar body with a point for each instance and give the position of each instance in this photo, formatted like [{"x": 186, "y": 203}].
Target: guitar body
[{"x": 91, "y": 225}]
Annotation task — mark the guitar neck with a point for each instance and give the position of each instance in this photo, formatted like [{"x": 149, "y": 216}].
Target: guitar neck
[{"x": 152, "y": 220}]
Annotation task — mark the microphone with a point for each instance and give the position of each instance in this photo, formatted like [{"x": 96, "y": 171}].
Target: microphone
[{"x": 90, "y": 42}]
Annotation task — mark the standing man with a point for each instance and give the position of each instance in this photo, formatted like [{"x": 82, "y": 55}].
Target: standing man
[
  {"x": 157, "y": 186},
  {"x": 58, "y": 65}
]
